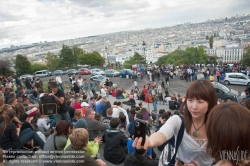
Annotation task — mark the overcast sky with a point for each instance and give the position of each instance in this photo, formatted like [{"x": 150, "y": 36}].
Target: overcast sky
[{"x": 30, "y": 21}]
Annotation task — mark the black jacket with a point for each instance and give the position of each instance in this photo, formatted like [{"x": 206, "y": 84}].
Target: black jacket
[
  {"x": 172, "y": 104},
  {"x": 134, "y": 159},
  {"x": 115, "y": 149}
]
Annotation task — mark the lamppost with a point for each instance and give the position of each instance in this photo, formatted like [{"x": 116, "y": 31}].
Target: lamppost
[
  {"x": 143, "y": 46},
  {"x": 74, "y": 56},
  {"x": 106, "y": 48}
]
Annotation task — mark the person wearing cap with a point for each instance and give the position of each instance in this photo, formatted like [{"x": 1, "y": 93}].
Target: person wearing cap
[
  {"x": 84, "y": 108},
  {"x": 60, "y": 97}
]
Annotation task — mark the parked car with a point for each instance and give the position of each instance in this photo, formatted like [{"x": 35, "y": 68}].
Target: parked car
[
  {"x": 225, "y": 93},
  {"x": 58, "y": 72},
  {"x": 98, "y": 78},
  {"x": 243, "y": 70},
  {"x": 236, "y": 78},
  {"x": 50, "y": 73},
  {"x": 31, "y": 77},
  {"x": 111, "y": 73},
  {"x": 42, "y": 73},
  {"x": 72, "y": 71},
  {"x": 123, "y": 73},
  {"x": 84, "y": 71},
  {"x": 97, "y": 72}
]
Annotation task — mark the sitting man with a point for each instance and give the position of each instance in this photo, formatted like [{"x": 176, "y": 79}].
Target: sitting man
[
  {"x": 95, "y": 128},
  {"x": 115, "y": 143},
  {"x": 139, "y": 157},
  {"x": 79, "y": 141}
]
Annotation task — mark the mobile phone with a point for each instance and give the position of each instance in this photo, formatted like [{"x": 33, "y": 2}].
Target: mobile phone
[{"x": 140, "y": 130}]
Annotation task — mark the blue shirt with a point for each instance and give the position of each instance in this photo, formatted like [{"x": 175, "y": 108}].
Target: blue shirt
[
  {"x": 99, "y": 107},
  {"x": 131, "y": 149}
]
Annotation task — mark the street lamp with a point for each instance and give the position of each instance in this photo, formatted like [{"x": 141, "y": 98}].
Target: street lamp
[
  {"x": 74, "y": 56},
  {"x": 143, "y": 45},
  {"x": 106, "y": 48}
]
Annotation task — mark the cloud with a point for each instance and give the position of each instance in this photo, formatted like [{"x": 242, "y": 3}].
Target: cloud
[{"x": 28, "y": 21}]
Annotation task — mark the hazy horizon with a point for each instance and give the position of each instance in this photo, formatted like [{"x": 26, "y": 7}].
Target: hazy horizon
[{"x": 31, "y": 21}]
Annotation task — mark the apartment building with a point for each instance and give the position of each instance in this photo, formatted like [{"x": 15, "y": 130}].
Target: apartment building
[{"x": 227, "y": 54}]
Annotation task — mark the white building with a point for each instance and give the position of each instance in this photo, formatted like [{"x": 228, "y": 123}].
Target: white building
[{"x": 227, "y": 54}]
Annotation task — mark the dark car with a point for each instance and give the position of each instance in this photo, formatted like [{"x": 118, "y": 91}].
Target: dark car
[
  {"x": 58, "y": 72},
  {"x": 111, "y": 73},
  {"x": 123, "y": 73},
  {"x": 243, "y": 70},
  {"x": 225, "y": 93},
  {"x": 72, "y": 71}
]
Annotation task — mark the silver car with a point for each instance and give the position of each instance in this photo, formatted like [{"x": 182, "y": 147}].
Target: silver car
[
  {"x": 31, "y": 77},
  {"x": 98, "y": 78},
  {"x": 97, "y": 72}
]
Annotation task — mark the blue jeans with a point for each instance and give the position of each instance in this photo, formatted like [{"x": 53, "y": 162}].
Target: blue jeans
[
  {"x": 52, "y": 123},
  {"x": 136, "y": 87},
  {"x": 64, "y": 116},
  {"x": 155, "y": 105},
  {"x": 60, "y": 84},
  {"x": 26, "y": 135}
]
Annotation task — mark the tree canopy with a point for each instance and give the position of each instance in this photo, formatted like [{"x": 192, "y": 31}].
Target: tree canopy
[
  {"x": 52, "y": 61},
  {"x": 136, "y": 59},
  {"x": 23, "y": 65},
  {"x": 246, "y": 58},
  {"x": 36, "y": 67},
  {"x": 5, "y": 67},
  {"x": 93, "y": 58},
  {"x": 189, "y": 56}
]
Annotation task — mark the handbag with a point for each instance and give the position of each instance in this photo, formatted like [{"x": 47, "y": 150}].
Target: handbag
[{"x": 169, "y": 152}]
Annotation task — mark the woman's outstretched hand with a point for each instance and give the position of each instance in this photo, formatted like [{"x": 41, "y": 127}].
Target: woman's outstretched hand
[{"x": 137, "y": 143}]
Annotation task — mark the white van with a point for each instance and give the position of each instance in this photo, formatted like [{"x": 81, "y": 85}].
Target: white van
[
  {"x": 236, "y": 78},
  {"x": 42, "y": 73}
]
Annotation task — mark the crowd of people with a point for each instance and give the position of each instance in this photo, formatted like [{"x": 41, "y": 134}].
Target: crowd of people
[{"x": 86, "y": 119}]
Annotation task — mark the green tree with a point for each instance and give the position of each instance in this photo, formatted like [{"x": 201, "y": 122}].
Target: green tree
[
  {"x": 136, "y": 59},
  {"x": 76, "y": 52},
  {"x": 207, "y": 38},
  {"x": 22, "y": 65},
  {"x": 66, "y": 57},
  {"x": 189, "y": 56},
  {"x": 36, "y": 67},
  {"x": 52, "y": 61},
  {"x": 93, "y": 58},
  {"x": 5, "y": 67},
  {"x": 211, "y": 41},
  {"x": 246, "y": 58}
]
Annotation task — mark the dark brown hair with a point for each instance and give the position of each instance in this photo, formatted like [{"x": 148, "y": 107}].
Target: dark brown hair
[
  {"x": 247, "y": 103},
  {"x": 114, "y": 122},
  {"x": 62, "y": 128},
  {"x": 98, "y": 117},
  {"x": 228, "y": 128},
  {"x": 20, "y": 110},
  {"x": 7, "y": 118},
  {"x": 200, "y": 90}
]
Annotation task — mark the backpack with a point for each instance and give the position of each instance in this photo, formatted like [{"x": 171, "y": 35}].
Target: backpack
[{"x": 48, "y": 105}]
